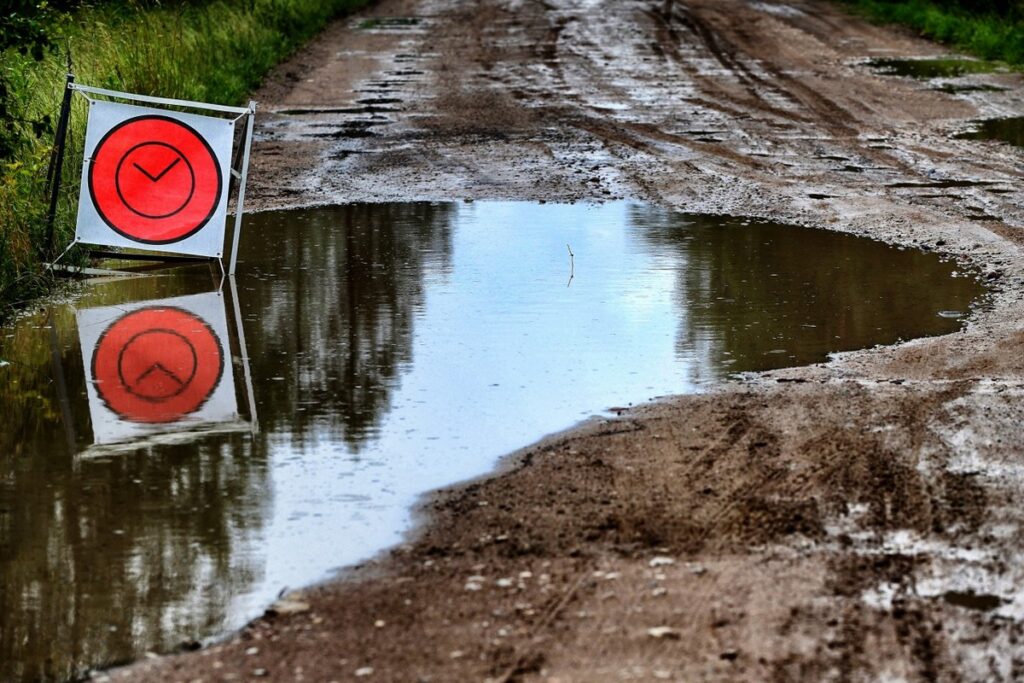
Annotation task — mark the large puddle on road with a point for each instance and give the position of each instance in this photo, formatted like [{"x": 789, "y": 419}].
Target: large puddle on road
[
  {"x": 928, "y": 68},
  {"x": 392, "y": 349},
  {"x": 1009, "y": 130}
]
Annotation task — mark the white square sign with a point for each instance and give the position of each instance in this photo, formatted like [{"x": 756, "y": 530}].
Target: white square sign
[{"x": 155, "y": 179}]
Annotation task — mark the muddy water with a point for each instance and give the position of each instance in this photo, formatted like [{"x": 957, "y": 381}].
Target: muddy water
[
  {"x": 949, "y": 67},
  {"x": 1009, "y": 130},
  {"x": 149, "y": 498}
]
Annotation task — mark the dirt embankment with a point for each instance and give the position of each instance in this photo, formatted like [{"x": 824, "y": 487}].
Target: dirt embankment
[{"x": 852, "y": 521}]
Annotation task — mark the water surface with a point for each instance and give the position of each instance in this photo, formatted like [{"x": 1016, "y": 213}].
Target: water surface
[
  {"x": 923, "y": 69},
  {"x": 149, "y": 498},
  {"x": 1009, "y": 130}
]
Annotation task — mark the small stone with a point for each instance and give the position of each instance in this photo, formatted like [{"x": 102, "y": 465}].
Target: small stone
[
  {"x": 252, "y": 651},
  {"x": 380, "y": 623},
  {"x": 456, "y": 654},
  {"x": 260, "y": 673},
  {"x": 471, "y": 586},
  {"x": 364, "y": 671},
  {"x": 287, "y": 606},
  {"x": 659, "y": 591},
  {"x": 661, "y": 561},
  {"x": 663, "y": 633},
  {"x": 504, "y": 583}
]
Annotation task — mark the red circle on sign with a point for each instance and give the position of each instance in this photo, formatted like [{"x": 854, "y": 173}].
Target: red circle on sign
[
  {"x": 157, "y": 364},
  {"x": 155, "y": 179}
]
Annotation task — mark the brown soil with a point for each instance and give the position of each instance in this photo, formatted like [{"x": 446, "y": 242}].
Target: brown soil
[{"x": 851, "y": 521}]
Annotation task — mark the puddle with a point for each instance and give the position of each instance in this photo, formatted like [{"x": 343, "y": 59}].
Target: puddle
[
  {"x": 933, "y": 184},
  {"x": 931, "y": 68},
  {"x": 375, "y": 101},
  {"x": 349, "y": 129},
  {"x": 1009, "y": 130},
  {"x": 366, "y": 109},
  {"x": 977, "y": 601},
  {"x": 391, "y": 349},
  {"x": 388, "y": 23},
  {"x": 954, "y": 89}
]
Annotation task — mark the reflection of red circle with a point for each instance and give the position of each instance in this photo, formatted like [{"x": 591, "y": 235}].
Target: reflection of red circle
[
  {"x": 154, "y": 179},
  {"x": 157, "y": 364}
]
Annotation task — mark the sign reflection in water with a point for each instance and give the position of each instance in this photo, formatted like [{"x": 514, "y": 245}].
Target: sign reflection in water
[
  {"x": 394, "y": 348},
  {"x": 157, "y": 368}
]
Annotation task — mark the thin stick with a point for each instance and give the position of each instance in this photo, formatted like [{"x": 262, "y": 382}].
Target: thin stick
[
  {"x": 572, "y": 265},
  {"x": 545, "y": 622}
]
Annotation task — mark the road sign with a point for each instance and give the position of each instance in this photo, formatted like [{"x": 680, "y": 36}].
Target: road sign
[
  {"x": 155, "y": 178},
  {"x": 157, "y": 367}
]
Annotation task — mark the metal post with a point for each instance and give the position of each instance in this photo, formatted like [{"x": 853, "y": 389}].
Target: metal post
[
  {"x": 57, "y": 162},
  {"x": 240, "y": 206}
]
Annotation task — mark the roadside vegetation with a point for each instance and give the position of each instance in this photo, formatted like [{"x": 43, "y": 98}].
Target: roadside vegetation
[
  {"x": 208, "y": 50},
  {"x": 992, "y": 29}
]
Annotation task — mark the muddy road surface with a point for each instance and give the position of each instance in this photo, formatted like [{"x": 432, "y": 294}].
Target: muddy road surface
[{"x": 852, "y": 521}]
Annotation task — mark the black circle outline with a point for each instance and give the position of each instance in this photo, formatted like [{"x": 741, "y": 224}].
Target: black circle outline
[
  {"x": 195, "y": 316},
  {"x": 184, "y": 385},
  {"x": 117, "y": 180},
  {"x": 209, "y": 149}
]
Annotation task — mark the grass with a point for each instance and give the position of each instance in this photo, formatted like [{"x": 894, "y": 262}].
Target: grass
[
  {"x": 207, "y": 50},
  {"x": 987, "y": 34}
]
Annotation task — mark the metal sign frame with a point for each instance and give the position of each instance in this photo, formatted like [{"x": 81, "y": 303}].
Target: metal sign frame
[{"x": 241, "y": 174}]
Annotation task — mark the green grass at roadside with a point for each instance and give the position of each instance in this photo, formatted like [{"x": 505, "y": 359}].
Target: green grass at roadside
[
  {"x": 213, "y": 51},
  {"x": 982, "y": 32}
]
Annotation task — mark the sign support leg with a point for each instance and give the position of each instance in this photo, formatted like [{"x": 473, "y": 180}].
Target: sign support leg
[
  {"x": 57, "y": 161},
  {"x": 240, "y": 206}
]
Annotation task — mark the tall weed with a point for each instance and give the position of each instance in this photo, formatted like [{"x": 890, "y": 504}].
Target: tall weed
[{"x": 212, "y": 51}]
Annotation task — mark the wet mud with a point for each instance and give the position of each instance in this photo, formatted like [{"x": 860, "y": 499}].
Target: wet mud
[{"x": 852, "y": 520}]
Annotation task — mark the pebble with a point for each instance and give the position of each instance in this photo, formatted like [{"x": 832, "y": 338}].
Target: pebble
[
  {"x": 364, "y": 671},
  {"x": 289, "y": 606},
  {"x": 663, "y": 632},
  {"x": 661, "y": 561},
  {"x": 252, "y": 651}
]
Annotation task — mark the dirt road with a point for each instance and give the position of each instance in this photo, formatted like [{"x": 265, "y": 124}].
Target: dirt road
[{"x": 853, "y": 521}]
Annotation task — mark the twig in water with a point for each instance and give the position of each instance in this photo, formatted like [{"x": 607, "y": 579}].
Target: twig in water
[{"x": 572, "y": 265}]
